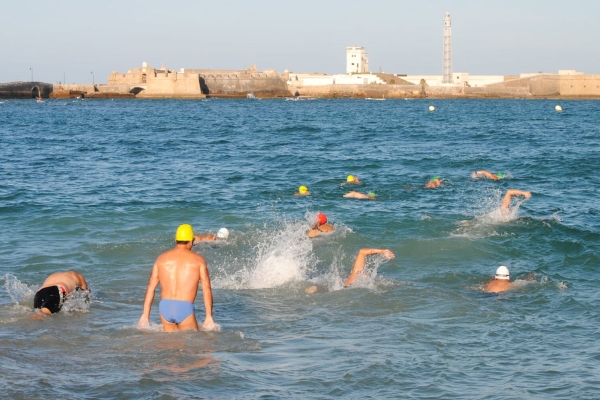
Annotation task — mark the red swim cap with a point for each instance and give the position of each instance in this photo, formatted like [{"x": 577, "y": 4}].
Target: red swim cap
[{"x": 321, "y": 218}]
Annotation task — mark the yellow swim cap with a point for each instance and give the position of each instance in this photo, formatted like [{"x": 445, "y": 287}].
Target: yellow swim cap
[
  {"x": 350, "y": 178},
  {"x": 302, "y": 189},
  {"x": 184, "y": 233}
]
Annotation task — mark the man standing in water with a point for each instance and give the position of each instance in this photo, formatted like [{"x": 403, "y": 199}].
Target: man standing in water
[
  {"x": 505, "y": 206},
  {"x": 359, "y": 265},
  {"x": 179, "y": 271},
  {"x": 50, "y": 297},
  {"x": 501, "y": 281}
]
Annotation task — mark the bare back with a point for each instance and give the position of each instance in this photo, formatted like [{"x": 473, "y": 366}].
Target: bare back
[
  {"x": 179, "y": 274},
  {"x": 497, "y": 285},
  {"x": 69, "y": 280}
]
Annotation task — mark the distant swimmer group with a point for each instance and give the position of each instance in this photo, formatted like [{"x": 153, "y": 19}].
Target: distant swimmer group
[
  {"x": 501, "y": 283},
  {"x": 181, "y": 272}
]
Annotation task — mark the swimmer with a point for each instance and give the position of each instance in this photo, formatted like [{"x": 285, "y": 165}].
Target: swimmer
[
  {"x": 320, "y": 226},
  {"x": 486, "y": 174},
  {"x": 434, "y": 182},
  {"x": 302, "y": 191},
  {"x": 501, "y": 281},
  {"x": 222, "y": 234},
  {"x": 509, "y": 195},
  {"x": 357, "y": 195},
  {"x": 179, "y": 271},
  {"x": 352, "y": 179},
  {"x": 359, "y": 265},
  {"x": 56, "y": 288}
]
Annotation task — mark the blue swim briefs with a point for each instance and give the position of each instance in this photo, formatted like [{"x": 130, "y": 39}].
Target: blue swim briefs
[{"x": 175, "y": 311}]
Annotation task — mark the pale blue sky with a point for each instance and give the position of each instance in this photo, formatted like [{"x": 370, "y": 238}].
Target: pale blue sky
[{"x": 402, "y": 36}]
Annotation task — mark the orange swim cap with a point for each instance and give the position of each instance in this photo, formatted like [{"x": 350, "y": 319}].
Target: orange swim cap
[{"x": 321, "y": 218}]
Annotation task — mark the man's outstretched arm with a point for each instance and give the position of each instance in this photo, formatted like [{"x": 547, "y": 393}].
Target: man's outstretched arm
[
  {"x": 508, "y": 196},
  {"x": 359, "y": 263},
  {"x": 152, "y": 284}
]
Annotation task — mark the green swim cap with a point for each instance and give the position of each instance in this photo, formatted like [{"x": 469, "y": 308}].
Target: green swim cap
[
  {"x": 371, "y": 194},
  {"x": 434, "y": 178},
  {"x": 500, "y": 175}
]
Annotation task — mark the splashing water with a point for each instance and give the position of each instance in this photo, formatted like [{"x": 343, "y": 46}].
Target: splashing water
[
  {"x": 18, "y": 291},
  {"x": 282, "y": 254}
]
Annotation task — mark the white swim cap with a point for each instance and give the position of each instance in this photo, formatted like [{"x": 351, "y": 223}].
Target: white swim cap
[
  {"x": 502, "y": 273},
  {"x": 223, "y": 233}
]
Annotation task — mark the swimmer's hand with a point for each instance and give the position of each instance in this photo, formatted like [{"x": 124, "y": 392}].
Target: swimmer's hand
[
  {"x": 209, "y": 324},
  {"x": 388, "y": 254},
  {"x": 143, "y": 323}
]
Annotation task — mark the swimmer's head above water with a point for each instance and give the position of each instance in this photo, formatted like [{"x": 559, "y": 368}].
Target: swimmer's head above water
[
  {"x": 502, "y": 273},
  {"x": 371, "y": 195},
  {"x": 302, "y": 191},
  {"x": 223, "y": 233},
  {"x": 321, "y": 219},
  {"x": 184, "y": 233},
  {"x": 352, "y": 179}
]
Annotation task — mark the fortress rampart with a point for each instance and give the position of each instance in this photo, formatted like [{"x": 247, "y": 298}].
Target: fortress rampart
[{"x": 147, "y": 82}]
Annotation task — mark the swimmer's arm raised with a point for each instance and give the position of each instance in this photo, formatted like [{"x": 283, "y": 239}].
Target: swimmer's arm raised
[
  {"x": 359, "y": 263},
  {"x": 152, "y": 284},
  {"x": 207, "y": 295},
  {"x": 509, "y": 194}
]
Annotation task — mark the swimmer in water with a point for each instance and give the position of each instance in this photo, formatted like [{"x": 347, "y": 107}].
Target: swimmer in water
[
  {"x": 486, "y": 174},
  {"x": 505, "y": 206},
  {"x": 359, "y": 265},
  {"x": 56, "y": 288},
  {"x": 433, "y": 183},
  {"x": 501, "y": 281},
  {"x": 320, "y": 226},
  {"x": 179, "y": 271},
  {"x": 352, "y": 179},
  {"x": 302, "y": 191},
  {"x": 357, "y": 195},
  {"x": 222, "y": 234}
]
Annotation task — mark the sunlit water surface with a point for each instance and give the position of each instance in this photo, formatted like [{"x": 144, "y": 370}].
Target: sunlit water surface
[{"x": 100, "y": 186}]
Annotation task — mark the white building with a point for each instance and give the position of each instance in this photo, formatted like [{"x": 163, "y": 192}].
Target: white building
[{"x": 357, "y": 61}]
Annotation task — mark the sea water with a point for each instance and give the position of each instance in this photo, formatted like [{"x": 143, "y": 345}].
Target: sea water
[{"x": 99, "y": 187}]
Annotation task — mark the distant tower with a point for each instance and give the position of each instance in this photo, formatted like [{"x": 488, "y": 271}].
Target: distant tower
[
  {"x": 357, "y": 60},
  {"x": 447, "y": 49}
]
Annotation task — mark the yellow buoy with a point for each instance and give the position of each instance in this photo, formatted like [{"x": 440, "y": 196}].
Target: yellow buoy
[
  {"x": 431, "y": 108},
  {"x": 558, "y": 108}
]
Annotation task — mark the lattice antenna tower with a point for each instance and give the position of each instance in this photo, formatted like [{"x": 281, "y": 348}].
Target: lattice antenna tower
[{"x": 447, "y": 49}]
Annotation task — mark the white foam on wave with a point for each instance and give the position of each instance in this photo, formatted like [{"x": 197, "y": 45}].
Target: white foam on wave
[{"x": 280, "y": 254}]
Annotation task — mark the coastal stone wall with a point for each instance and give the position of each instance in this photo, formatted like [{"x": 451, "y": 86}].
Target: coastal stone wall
[
  {"x": 25, "y": 90},
  {"x": 360, "y": 91},
  {"x": 240, "y": 83}
]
